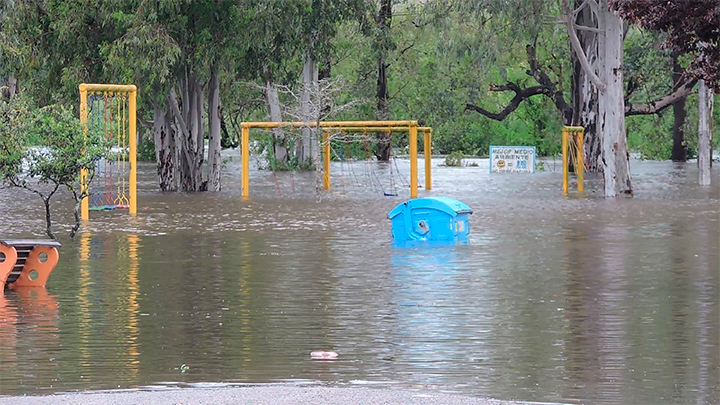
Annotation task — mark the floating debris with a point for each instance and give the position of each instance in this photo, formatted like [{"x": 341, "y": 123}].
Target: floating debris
[{"x": 323, "y": 355}]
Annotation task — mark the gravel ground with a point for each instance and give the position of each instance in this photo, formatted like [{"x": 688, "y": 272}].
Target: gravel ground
[{"x": 257, "y": 396}]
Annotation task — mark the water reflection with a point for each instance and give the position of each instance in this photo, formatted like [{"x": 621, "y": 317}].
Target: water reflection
[
  {"x": 555, "y": 299},
  {"x": 99, "y": 306},
  {"x": 425, "y": 320},
  {"x": 29, "y": 337}
]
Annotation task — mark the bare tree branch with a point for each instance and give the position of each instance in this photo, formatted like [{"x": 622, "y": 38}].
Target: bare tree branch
[
  {"x": 541, "y": 77},
  {"x": 585, "y": 28},
  {"x": 547, "y": 87},
  {"x": 582, "y": 58},
  {"x": 683, "y": 88},
  {"x": 520, "y": 96},
  {"x": 579, "y": 9}
]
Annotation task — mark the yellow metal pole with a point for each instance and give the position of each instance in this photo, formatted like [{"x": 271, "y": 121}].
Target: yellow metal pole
[
  {"x": 245, "y": 147},
  {"x": 132, "y": 118},
  {"x": 329, "y": 124},
  {"x": 581, "y": 162},
  {"x": 326, "y": 160},
  {"x": 115, "y": 88},
  {"x": 413, "y": 162},
  {"x": 84, "y": 204},
  {"x": 565, "y": 159},
  {"x": 428, "y": 159}
]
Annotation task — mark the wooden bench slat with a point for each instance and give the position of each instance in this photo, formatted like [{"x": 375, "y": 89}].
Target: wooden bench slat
[{"x": 30, "y": 242}]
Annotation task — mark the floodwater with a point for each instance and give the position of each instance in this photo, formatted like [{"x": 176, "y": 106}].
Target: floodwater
[{"x": 567, "y": 299}]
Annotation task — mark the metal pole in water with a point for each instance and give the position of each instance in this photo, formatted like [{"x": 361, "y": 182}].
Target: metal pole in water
[
  {"x": 413, "y": 161},
  {"x": 326, "y": 161},
  {"x": 581, "y": 162},
  {"x": 84, "y": 206},
  {"x": 428, "y": 159},
  {"x": 245, "y": 154},
  {"x": 132, "y": 118}
]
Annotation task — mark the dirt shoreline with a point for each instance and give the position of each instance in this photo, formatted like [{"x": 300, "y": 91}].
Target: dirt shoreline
[{"x": 257, "y": 396}]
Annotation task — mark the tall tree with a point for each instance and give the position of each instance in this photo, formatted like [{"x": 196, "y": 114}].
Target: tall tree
[
  {"x": 607, "y": 77},
  {"x": 679, "y": 150},
  {"x": 705, "y": 113},
  {"x": 692, "y": 27},
  {"x": 596, "y": 36},
  {"x": 383, "y": 46},
  {"x": 176, "y": 51},
  {"x": 297, "y": 31}
]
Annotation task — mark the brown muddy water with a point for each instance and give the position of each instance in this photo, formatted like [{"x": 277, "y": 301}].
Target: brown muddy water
[{"x": 568, "y": 299}]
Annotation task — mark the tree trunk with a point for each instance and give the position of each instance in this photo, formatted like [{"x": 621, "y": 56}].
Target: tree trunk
[
  {"x": 611, "y": 106},
  {"x": 304, "y": 148},
  {"x": 584, "y": 96},
  {"x": 324, "y": 72},
  {"x": 164, "y": 148},
  {"x": 705, "y": 116},
  {"x": 214, "y": 157},
  {"x": 382, "y": 95},
  {"x": 12, "y": 87},
  {"x": 76, "y": 214},
  {"x": 190, "y": 131},
  {"x": 272, "y": 100},
  {"x": 679, "y": 150},
  {"x": 200, "y": 131},
  {"x": 48, "y": 222}
]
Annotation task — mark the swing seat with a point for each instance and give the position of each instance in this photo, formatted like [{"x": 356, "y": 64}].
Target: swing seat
[
  {"x": 109, "y": 207},
  {"x": 390, "y": 194},
  {"x": 97, "y": 208},
  {"x": 122, "y": 206}
]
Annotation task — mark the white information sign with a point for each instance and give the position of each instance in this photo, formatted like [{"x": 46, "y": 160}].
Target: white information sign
[{"x": 512, "y": 159}]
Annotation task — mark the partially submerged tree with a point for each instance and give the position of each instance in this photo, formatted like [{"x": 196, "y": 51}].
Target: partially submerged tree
[
  {"x": 693, "y": 28},
  {"x": 62, "y": 152},
  {"x": 598, "y": 102},
  {"x": 312, "y": 103}
]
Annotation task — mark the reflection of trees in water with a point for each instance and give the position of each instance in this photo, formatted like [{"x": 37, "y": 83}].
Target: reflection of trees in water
[
  {"x": 708, "y": 309},
  {"x": 596, "y": 296},
  {"x": 642, "y": 311}
]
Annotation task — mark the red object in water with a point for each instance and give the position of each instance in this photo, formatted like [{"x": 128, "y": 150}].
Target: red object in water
[{"x": 323, "y": 355}]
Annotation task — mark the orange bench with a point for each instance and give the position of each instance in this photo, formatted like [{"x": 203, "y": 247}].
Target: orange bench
[{"x": 27, "y": 262}]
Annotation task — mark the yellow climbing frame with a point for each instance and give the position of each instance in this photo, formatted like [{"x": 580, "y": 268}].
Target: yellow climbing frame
[
  {"x": 346, "y": 126},
  {"x": 130, "y": 91},
  {"x": 577, "y": 157}
]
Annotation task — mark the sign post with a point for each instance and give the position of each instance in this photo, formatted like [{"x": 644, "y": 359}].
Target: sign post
[{"x": 512, "y": 159}]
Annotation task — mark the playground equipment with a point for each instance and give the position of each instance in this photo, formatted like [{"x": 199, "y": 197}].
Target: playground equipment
[
  {"x": 346, "y": 126},
  {"x": 111, "y": 109},
  {"x": 572, "y": 148},
  {"x": 27, "y": 262},
  {"x": 430, "y": 219}
]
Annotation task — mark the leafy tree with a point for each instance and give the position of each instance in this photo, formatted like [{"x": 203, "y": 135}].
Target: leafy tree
[
  {"x": 692, "y": 27},
  {"x": 66, "y": 151}
]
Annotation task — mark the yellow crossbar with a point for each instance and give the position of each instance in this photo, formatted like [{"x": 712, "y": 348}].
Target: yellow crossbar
[
  {"x": 328, "y": 124},
  {"x": 127, "y": 88},
  {"x": 410, "y": 126}
]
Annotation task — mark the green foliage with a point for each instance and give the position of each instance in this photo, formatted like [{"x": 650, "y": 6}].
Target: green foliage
[
  {"x": 65, "y": 150},
  {"x": 454, "y": 159},
  {"x": 440, "y": 55},
  {"x": 12, "y": 144},
  {"x": 146, "y": 150}
]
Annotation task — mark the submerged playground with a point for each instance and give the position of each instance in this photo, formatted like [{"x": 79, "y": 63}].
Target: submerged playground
[{"x": 554, "y": 295}]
